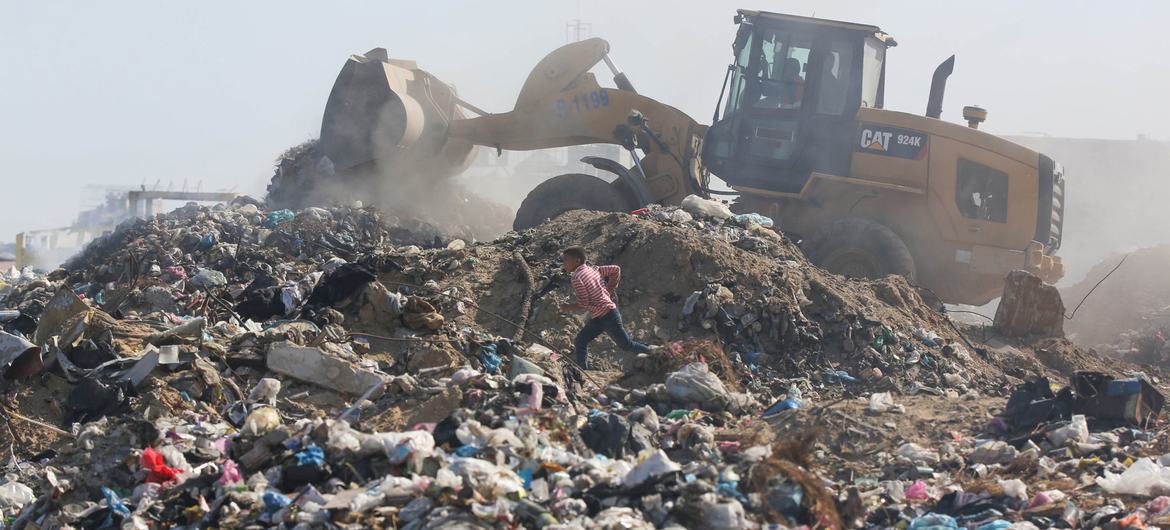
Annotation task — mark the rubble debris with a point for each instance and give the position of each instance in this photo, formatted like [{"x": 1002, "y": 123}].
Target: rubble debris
[
  {"x": 1029, "y": 307},
  {"x": 19, "y": 358},
  {"x": 318, "y": 367},
  {"x": 1132, "y": 401},
  {"x": 347, "y": 373}
]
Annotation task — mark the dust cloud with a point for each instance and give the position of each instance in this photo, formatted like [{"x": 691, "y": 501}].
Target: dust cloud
[
  {"x": 1116, "y": 205},
  {"x": 412, "y": 199},
  {"x": 1116, "y": 196}
]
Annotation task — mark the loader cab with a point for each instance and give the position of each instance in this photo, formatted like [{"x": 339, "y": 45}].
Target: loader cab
[{"x": 791, "y": 97}]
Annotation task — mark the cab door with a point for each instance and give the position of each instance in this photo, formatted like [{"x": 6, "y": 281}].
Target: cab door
[{"x": 794, "y": 94}]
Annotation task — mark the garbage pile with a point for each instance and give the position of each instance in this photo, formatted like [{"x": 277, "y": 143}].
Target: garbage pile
[
  {"x": 1092, "y": 454},
  {"x": 14, "y": 277},
  {"x": 235, "y": 366},
  {"x": 693, "y": 276}
]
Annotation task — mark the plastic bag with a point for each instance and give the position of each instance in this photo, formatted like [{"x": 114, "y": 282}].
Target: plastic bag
[
  {"x": 697, "y": 205},
  {"x": 231, "y": 473},
  {"x": 933, "y": 521},
  {"x": 276, "y": 218},
  {"x": 1159, "y": 506},
  {"x": 487, "y": 478},
  {"x": 1014, "y": 488},
  {"x": 680, "y": 216},
  {"x": 265, "y": 391},
  {"x": 655, "y": 465},
  {"x": 884, "y": 402},
  {"x": 762, "y": 220},
  {"x": 398, "y": 446},
  {"x": 159, "y": 471},
  {"x": 993, "y": 452},
  {"x": 695, "y": 384},
  {"x": 917, "y": 455},
  {"x": 917, "y": 491},
  {"x": 209, "y": 278},
  {"x": 14, "y": 495},
  {"x": 1145, "y": 477},
  {"x": 1076, "y": 431}
]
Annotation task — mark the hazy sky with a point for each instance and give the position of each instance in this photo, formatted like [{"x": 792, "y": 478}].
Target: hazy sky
[{"x": 125, "y": 93}]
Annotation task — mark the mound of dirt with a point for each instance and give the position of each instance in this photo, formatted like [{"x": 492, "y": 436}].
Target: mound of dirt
[
  {"x": 744, "y": 287},
  {"x": 1131, "y": 303}
]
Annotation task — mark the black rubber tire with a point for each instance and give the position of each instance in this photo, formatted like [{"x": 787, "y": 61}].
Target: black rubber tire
[
  {"x": 571, "y": 191},
  {"x": 860, "y": 248}
]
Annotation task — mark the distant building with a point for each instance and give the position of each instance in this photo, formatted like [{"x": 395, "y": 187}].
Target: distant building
[{"x": 49, "y": 247}]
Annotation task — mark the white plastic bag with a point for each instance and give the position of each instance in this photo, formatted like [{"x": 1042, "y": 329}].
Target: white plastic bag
[
  {"x": 1145, "y": 477},
  {"x": 14, "y": 495},
  {"x": 993, "y": 452},
  {"x": 1014, "y": 488},
  {"x": 917, "y": 455},
  {"x": 1076, "y": 431},
  {"x": 884, "y": 402},
  {"x": 265, "y": 391},
  {"x": 697, "y": 205},
  {"x": 655, "y": 465},
  {"x": 680, "y": 216},
  {"x": 398, "y": 446},
  {"x": 693, "y": 383}
]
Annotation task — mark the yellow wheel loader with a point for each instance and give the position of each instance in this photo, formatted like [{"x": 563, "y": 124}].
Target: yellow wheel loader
[{"x": 799, "y": 132}]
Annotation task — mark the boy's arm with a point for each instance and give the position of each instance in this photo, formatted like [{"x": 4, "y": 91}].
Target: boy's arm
[
  {"x": 612, "y": 274},
  {"x": 580, "y": 292}
]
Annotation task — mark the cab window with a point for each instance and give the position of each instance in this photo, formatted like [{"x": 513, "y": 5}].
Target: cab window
[
  {"x": 833, "y": 85},
  {"x": 739, "y": 75},
  {"x": 873, "y": 56},
  {"x": 981, "y": 192},
  {"x": 781, "y": 69}
]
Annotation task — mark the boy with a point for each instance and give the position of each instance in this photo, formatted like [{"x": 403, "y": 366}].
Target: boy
[{"x": 594, "y": 287}]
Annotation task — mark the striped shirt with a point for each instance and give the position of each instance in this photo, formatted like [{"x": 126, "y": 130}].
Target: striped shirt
[{"x": 590, "y": 283}]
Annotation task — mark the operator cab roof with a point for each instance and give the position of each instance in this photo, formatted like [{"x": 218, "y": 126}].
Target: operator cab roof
[{"x": 796, "y": 19}]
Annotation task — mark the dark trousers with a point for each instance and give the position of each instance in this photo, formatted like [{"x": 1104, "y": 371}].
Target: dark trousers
[{"x": 610, "y": 323}]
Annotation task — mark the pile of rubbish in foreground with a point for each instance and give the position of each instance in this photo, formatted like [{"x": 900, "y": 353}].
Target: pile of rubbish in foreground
[
  {"x": 13, "y": 278},
  {"x": 239, "y": 367}
]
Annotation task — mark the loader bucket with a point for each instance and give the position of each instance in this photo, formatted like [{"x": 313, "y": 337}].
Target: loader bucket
[{"x": 389, "y": 113}]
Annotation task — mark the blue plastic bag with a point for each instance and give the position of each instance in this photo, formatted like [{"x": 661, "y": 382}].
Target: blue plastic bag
[
  {"x": 311, "y": 456},
  {"x": 762, "y": 220},
  {"x": 276, "y": 218},
  {"x": 934, "y": 521},
  {"x": 274, "y": 501}
]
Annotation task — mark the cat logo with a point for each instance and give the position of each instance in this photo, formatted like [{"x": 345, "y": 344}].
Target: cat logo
[
  {"x": 875, "y": 140},
  {"x": 891, "y": 141}
]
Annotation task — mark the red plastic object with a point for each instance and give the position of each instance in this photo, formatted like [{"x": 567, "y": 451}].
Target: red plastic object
[{"x": 160, "y": 472}]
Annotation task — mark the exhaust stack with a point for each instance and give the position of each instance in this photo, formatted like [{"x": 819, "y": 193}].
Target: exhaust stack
[{"x": 938, "y": 87}]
